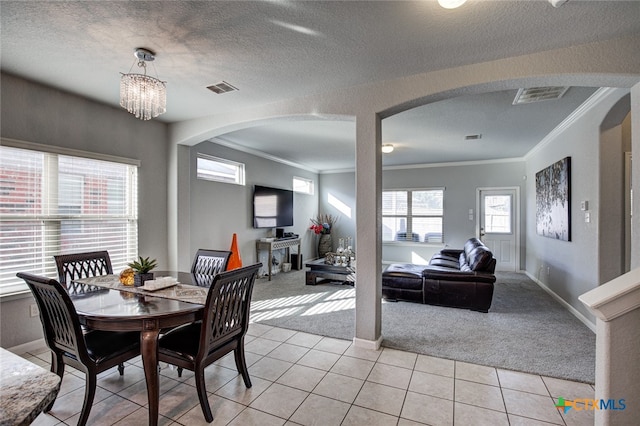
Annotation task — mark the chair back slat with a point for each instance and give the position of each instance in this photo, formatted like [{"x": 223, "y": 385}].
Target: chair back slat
[
  {"x": 210, "y": 262},
  {"x": 60, "y": 322},
  {"x": 82, "y": 265},
  {"x": 226, "y": 312}
]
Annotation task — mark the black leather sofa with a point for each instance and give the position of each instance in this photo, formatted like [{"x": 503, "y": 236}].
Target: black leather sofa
[{"x": 458, "y": 278}]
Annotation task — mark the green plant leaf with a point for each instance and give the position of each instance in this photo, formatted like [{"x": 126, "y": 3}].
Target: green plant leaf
[{"x": 143, "y": 265}]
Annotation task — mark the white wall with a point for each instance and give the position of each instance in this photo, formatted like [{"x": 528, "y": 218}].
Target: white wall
[{"x": 35, "y": 113}]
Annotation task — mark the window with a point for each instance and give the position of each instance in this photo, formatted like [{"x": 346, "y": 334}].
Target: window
[
  {"x": 220, "y": 170},
  {"x": 55, "y": 204},
  {"x": 497, "y": 214},
  {"x": 413, "y": 215},
  {"x": 303, "y": 185}
]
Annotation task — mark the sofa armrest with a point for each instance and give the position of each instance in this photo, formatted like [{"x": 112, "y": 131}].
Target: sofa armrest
[
  {"x": 442, "y": 273},
  {"x": 451, "y": 252}
]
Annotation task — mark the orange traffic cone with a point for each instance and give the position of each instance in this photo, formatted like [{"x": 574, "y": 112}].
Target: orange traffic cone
[{"x": 234, "y": 260}]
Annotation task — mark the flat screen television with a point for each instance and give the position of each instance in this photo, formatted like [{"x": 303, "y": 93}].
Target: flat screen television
[{"x": 272, "y": 207}]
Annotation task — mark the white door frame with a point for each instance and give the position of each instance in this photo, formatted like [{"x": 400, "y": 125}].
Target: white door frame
[{"x": 516, "y": 212}]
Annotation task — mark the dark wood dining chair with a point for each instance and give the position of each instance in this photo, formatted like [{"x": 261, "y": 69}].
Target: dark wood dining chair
[
  {"x": 81, "y": 265},
  {"x": 222, "y": 330},
  {"x": 91, "y": 351},
  {"x": 210, "y": 262}
]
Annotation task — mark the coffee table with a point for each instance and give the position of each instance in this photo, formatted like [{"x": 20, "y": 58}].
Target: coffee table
[{"x": 328, "y": 273}]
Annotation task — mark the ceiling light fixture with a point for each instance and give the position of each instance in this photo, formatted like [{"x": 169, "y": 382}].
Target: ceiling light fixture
[
  {"x": 451, "y": 4},
  {"x": 142, "y": 95},
  {"x": 387, "y": 148}
]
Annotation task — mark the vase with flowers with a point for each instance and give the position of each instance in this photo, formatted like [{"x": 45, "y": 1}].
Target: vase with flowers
[{"x": 321, "y": 226}]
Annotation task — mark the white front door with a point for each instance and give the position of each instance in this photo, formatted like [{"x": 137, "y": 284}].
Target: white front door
[{"x": 497, "y": 225}]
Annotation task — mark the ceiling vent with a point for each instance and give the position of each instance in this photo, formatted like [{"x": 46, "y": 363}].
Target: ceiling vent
[
  {"x": 222, "y": 87},
  {"x": 537, "y": 94},
  {"x": 473, "y": 137}
]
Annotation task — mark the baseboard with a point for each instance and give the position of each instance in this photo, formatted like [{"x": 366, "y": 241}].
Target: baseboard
[
  {"x": 28, "y": 347},
  {"x": 567, "y": 306},
  {"x": 373, "y": 345}
]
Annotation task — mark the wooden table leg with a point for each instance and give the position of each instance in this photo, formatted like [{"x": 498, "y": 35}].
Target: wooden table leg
[
  {"x": 310, "y": 278},
  {"x": 149, "y": 352}
]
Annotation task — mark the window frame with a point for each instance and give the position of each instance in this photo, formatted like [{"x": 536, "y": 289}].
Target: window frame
[
  {"x": 410, "y": 216},
  {"x": 309, "y": 183},
  {"x": 51, "y": 221},
  {"x": 240, "y": 173}
]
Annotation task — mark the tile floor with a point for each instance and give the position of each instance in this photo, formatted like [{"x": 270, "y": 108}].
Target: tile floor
[{"x": 305, "y": 379}]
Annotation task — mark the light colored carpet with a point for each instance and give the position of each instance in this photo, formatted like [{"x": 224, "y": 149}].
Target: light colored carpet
[{"x": 525, "y": 330}]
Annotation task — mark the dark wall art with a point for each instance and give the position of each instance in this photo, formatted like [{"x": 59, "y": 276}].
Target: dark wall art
[{"x": 553, "y": 200}]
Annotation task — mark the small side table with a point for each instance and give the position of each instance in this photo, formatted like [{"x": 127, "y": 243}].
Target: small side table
[
  {"x": 26, "y": 389},
  {"x": 284, "y": 243}
]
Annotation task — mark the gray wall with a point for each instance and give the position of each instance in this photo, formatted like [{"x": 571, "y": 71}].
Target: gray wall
[
  {"x": 615, "y": 140},
  {"x": 573, "y": 266},
  {"x": 35, "y": 113},
  {"x": 220, "y": 209},
  {"x": 337, "y": 196},
  {"x": 596, "y": 153},
  {"x": 460, "y": 183}
]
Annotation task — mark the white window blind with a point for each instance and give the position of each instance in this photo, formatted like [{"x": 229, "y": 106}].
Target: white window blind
[
  {"x": 413, "y": 215},
  {"x": 57, "y": 204}
]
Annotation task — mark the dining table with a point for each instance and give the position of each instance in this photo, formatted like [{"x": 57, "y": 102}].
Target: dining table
[{"x": 103, "y": 303}]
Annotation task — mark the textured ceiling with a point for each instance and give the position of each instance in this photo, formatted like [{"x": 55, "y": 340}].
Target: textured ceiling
[{"x": 276, "y": 50}]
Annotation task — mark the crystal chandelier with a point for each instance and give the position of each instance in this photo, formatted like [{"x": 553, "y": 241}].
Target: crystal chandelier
[{"x": 142, "y": 95}]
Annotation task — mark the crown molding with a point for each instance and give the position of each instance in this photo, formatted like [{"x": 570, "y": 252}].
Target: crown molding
[
  {"x": 221, "y": 141},
  {"x": 578, "y": 113},
  {"x": 453, "y": 164}
]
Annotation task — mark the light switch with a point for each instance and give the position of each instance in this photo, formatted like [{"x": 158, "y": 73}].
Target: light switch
[
  {"x": 584, "y": 205},
  {"x": 587, "y": 217}
]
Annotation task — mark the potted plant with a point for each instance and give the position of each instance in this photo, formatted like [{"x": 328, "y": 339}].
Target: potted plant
[{"x": 142, "y": 268}]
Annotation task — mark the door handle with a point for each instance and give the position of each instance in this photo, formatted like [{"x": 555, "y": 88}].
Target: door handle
[{"x": 482, "y": 233}]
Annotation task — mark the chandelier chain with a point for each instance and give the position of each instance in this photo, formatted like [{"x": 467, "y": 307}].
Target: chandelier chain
[{"x": 142, "y": 64}]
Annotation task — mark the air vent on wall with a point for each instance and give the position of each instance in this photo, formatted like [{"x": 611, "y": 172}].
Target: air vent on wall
[
  {"x": 222, "y": 87},
  {"x": 473, "y": 137},
  {"x": 537, "y": 94}
]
